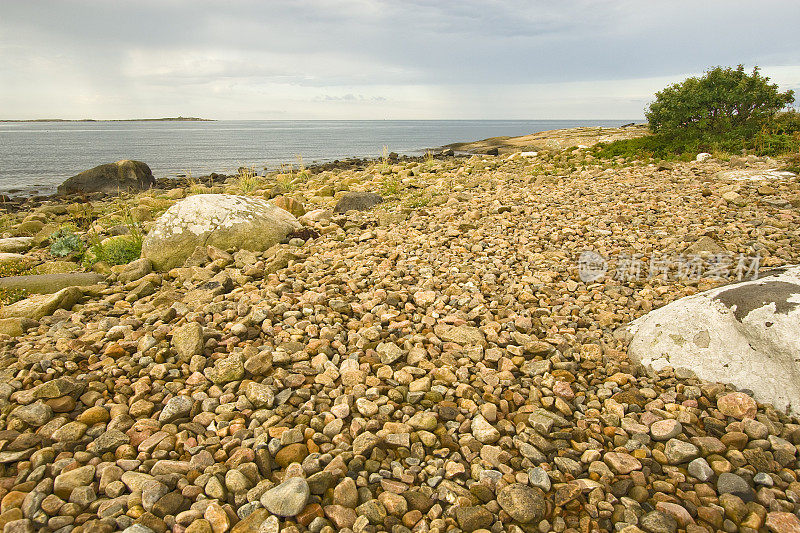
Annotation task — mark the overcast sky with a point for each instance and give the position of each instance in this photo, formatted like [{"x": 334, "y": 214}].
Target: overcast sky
[{"x": 370, "y": 59}]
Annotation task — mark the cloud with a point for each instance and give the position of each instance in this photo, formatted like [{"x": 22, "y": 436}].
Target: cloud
[{"x": 414, "y": 59}]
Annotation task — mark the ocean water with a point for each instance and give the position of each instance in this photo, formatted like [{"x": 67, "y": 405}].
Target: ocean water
[{"x": 35, "y": 157}]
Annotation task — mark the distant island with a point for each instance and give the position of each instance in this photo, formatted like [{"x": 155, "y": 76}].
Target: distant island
[{"x": 164, "y": 119}]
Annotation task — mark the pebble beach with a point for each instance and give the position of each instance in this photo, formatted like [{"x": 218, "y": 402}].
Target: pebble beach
[{"x": 434, "y": 363}]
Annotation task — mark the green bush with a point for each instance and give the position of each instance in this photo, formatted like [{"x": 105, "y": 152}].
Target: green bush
[
  {"x": 793, "y": 163},
  {"x": 725, "y": 110},
  {"x": 651, "y": 146},
  {"x": 65, "y": 242},
  {"x": 116, "y": 251},
  {"x": 786, "y": 123},
  {"x": 724, "y": 102}
]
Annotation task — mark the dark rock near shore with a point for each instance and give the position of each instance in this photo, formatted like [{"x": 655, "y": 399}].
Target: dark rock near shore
[
  {"x": 357, "y": 201},
  {"x": 111, "y": 178}
]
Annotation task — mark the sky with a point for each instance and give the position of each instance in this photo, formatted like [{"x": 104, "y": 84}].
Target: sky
[{"x": 370, "y": 59}]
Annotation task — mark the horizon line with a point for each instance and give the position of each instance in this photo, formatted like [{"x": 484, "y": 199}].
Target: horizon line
[{"x": 195, "y": 119}]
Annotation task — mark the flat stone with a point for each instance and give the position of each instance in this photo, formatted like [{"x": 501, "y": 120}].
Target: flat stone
[
  {"x": 679, "y": 452},
  {"x": 737, "y": 404},
  {"x": 177, "y": 407},
  {"x": 622, "y": 463},
  {"x": 364, "y": 443},
  {"x": 728, "y": 483},
  {"x": 50, "y": 283},
  {"x": 484, "y": 431},
  {"x": 473, "y": 518},
  {"x": 658, "y": 522},
  {"x": 66, "y": 482},
  {"x": 187, "y": 340},
  {"x": 524, "y": 504},
  {"x": 357, "y": 201},
  {"x": 700, "y": 469},
  {"x": 288, "y": 498},
  {"x": 782, "y": 522},
  {"x": 41, "y": 305},
  {"x": 665, "y": 429},
  {"x": 463, "y": 335}
]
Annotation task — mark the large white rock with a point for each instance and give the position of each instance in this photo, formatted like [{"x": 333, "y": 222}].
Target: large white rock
[
  {"x": 754, "y": 174},
  {"x": 747, "y": 334},
  {"x": 222, "y": 220}
]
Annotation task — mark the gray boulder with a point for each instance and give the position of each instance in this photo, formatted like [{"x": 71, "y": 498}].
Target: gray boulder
[
  {"x": 111, "y": 178},
  {"x": 357, "y": 201},
  {"x": 224, "y": 221},
  {"x": 50, "y": 283},
  {"x": 743, "y": 333}
]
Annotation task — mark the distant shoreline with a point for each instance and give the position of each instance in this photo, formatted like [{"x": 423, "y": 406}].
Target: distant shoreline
[{"x": 165, "y": 119}]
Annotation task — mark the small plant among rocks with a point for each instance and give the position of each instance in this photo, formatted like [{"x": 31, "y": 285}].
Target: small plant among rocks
[
  {"x": 247, "y": 180},
  {"x": 391, "y": 186},
  {"x": 65, "y": 242},
  {"x": 118, "y": 251},
  {"x": 10, "y": 296}
]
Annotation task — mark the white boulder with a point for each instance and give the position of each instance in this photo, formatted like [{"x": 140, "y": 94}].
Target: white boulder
[
  {"x": 746, "y": 334},
  {"x": 225, "y": 221},
  {"x": 754, "y": 174}
]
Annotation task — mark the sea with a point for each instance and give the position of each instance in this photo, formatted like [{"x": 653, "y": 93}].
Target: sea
[{"x": 35, "y": 157}]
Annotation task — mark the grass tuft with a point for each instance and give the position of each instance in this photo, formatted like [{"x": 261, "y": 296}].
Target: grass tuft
[{"x": 247, "y": 179}]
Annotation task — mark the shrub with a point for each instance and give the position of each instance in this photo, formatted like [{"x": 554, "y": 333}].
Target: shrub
[
  {"x": 724, "y": 103},
  {"x": 793, "y": 163},
  {"x": 65, "y": 242},
  {"x": 653, "y": 146},
  {"x": 725, "y": 110},
  {"x": 786, "y": 123},
  {"x": 119, "y": 250}
]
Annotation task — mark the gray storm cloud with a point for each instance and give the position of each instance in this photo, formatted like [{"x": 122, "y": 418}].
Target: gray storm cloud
[{"x": 305, "y": 59}]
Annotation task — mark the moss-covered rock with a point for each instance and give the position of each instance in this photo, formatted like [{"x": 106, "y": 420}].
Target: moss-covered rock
[
  {"x": 49, "y": 283},
  {"x": 225, "y": 221},
  {"x": 42, "y": 305},
  {"x": 55, "y": 267}
]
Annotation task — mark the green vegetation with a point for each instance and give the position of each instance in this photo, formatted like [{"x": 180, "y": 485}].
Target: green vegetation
[
  {"x": 793, "y": 163},
  {"x": 391, "y": 186},
  {"x": 65, "y": 242},
  {"x": 419, "y": 202},
  {"x": 429, "y": 162},
  {"x": 725, "y": 110},
  {"x": 247, "y": 179},
  {"x": 9, "y": 296},
  {"x": 193, "y": 184},
  {"x": 119, "y": 250}
]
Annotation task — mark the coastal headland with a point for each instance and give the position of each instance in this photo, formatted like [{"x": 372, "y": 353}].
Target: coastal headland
[{"x": 163, "y": 119}]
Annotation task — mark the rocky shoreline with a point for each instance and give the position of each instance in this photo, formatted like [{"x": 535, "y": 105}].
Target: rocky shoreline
[{"x": 434, "y": 362}]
